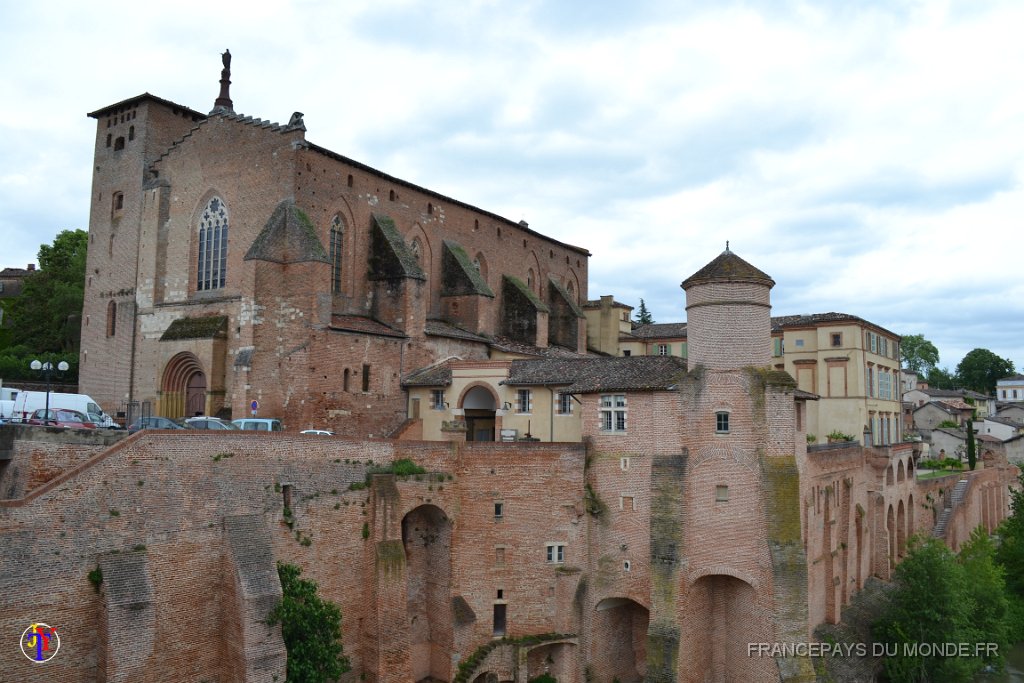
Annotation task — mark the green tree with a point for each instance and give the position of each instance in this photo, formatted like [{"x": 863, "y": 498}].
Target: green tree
[
  {"x": 981, "y": 369},
  {"x": 1010, "y": 552},
  {"x": 311, "y": 627},
  {"x": 986, "y": 587},
  {"x": 643, "y": 316},
  {"x": 47, "y": 316},
  {"x": 941, "y": 378},
  {"x": 931, "y": 604},
  {"x": 918, "y": 354}
]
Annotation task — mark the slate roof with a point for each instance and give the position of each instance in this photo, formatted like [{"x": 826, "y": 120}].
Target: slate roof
[
  {"x": 589, "y": 375},
  {"x": 511, "y": 346},
  {"x": 728, "y": 267},
  {"x": 811, "y": 319},
  {"x": 659, "y": 331},
  {"x": 941, "y": 406},
  {"x": 1003, "y": 421},
  {"x": 438, "y": 375},
  {"x": 440, "y": 328},
  {"x": 955, "y": 393},
  {"x": 144, "y": 96},
  {"x": 206, "y": 327},
  {"x": 14, "y": 272},
  {"x": 596, "y": 303},
  {"x": 1012, "y": 378},
  {"x": 358, "y": 323}
]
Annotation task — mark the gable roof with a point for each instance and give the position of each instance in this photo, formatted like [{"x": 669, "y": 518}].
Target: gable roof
[
  {"x": 659, "y": 331},
  {"x": 589, "y": 375}
]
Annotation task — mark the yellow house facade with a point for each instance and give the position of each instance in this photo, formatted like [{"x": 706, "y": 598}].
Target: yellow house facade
[{"x": 852, "y": 364}]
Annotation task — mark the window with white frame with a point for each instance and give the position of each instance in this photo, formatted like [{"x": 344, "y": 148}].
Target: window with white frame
[
  {"x": 524, "y": 401},
  {"x": 555, "y": 553},
  {"x": 722, "y": 422},
  {"x": 613, "y": 413},
  {"x": 799, "y": 343},
  {"x": 437, "y": 399},
  {"x": 884, "y": 384},
  {"x": 565, "y": 404},
  {"x": 663, "y": 349}
]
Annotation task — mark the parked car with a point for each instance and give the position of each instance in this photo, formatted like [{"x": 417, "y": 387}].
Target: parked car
[
  {"x": 61, "y": 417},
  {"x": 322, "y": 432},
  {"x": 26, "y": 402},
  {"x": 153, "y": 423},
  {"x": 208, "y": 423},
  {"x": 259, "y": 424}
]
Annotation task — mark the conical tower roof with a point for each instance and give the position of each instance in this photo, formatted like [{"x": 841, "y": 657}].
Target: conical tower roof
[{"x": 728, "y": 267}]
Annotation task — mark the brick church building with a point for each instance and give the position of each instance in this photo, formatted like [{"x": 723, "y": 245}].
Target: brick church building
[
  {"x": 687, "y": 530},
  {"x": 231, "y": 260}
]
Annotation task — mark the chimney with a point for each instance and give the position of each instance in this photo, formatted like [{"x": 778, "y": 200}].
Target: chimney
[{"x": 31, "y": 267}]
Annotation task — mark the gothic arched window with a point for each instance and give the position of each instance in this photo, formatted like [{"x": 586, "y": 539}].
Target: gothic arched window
[
  {"x": 337, "y": 253},
  {"x": 213, "y": 246}
]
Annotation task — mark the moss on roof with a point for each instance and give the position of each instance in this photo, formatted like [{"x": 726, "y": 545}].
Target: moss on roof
[
  {"x": 459, "y": 275},
  {"x": 289, "y": 236},
  {"x": 207, "y": 327},
  {"x": 520, "y": 286},
  {"x": 564, "y": 293},
  {"x": 730, "y": 268},
  {"x": 390, "y": 258}
]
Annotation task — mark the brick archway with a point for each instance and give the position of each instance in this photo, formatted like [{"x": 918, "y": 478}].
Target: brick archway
[
  {"x": 427, "y": 539},
  {"x": 619, "y": 640},
  {"x": 183, "y": 387}
]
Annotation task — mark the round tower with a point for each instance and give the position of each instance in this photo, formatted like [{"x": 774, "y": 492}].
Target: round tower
[{"x": 728, "y": 314}]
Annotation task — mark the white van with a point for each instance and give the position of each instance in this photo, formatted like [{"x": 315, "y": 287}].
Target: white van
[
  {"x": 27, "y": 402},
  {"x": 259, "y": 424},
  {"x": 6, "y": 410}
]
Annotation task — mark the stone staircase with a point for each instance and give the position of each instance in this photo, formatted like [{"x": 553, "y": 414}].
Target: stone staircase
[{"x": 955, "y": 498}]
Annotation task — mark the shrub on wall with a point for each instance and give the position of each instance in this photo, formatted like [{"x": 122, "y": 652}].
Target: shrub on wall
[{"x": 311, "y": 627}]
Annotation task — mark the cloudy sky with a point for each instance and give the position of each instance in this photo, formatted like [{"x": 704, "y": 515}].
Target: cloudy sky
[{"x": 869, "y": 155}]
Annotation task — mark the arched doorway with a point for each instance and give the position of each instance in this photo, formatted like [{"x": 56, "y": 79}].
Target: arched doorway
[
  {"x": 479, "y": 404},
  {"x": 183, "y": 387},
  {"x": 619, "y": 645},
  {"x": 426, "y": 536},
  {"x": 723, "y": 614}
]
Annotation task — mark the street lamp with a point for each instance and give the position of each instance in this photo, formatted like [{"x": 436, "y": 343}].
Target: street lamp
[{"x": 47, "y": 369}]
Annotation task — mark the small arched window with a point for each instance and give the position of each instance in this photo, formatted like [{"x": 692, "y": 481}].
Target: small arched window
[
  {"x": 111, "y": 318},
  {"x": 213, "y": 246},
  {"x": 480, "y": 263},
  {"x": 337, "y": 253}
]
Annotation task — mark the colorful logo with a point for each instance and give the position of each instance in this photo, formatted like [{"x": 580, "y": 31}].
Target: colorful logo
[{"x": 40, "y": 642}]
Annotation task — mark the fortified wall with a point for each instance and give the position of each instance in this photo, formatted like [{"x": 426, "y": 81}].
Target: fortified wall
[{"x": 155, "y": 557}]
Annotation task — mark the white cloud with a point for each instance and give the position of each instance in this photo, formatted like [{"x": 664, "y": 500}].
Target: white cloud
[{"x": 867, "y": 156}]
